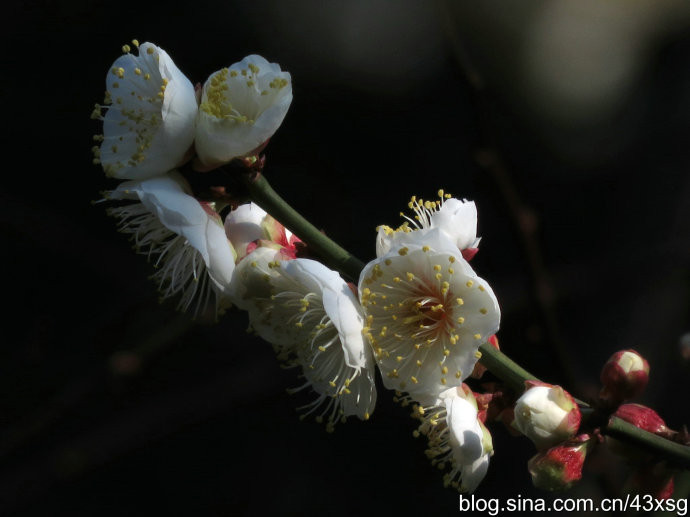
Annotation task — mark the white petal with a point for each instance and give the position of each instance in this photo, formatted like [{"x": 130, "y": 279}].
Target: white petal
[
  {"x": 248, "y": 281},
  {"x": 458, "y": 220},
  {"x": 473, "y": 473},
  {"x": 149, "y": 126},
  {"x": 465, "y": 432},
  {"x": 241, "y": 108},
  {"x": 243, "y": 226},
  {"x": 166, "y": 198}
]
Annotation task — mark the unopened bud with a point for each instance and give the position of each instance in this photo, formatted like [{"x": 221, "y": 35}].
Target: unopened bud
[
  {"x": 642, "y": 417},
  {"x": 645, "y": 418},
  {"x": 560, "y": 467},
  {"x": 624, "y": 376},
  {"x": 546, "y": 414}
]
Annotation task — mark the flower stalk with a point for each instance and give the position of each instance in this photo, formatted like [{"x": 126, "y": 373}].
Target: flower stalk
[
  {"x": 334, "y": 255},
  {"x": 512, "y": 374}
]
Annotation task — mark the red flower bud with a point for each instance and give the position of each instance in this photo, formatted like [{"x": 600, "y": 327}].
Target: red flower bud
[
  {"x": 642, "y": 417},
  {"x": 624, "y": 376},
  {"x": 560, "y": 467}
]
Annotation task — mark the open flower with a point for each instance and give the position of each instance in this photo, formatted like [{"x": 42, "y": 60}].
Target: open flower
[
  {"x": 457, "y": 438},
  {"x": 427, "y": 313},
  {"x": 241, "y": 107},
  {"x": 148, "y": 125},
  {"x": 313, "y": 317},
  {"x": 457, "y": 219},
  {"x": 187, "y": 235}
]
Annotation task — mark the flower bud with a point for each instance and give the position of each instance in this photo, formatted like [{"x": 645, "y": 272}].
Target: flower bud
[
  {"x": 546, "y": 414},
  {"x": 643, "y": 417},
  {"x": 624, "y": 376},
  {"x": 560, "y": 467}
]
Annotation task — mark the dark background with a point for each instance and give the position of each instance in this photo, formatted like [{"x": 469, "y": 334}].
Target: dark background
[{"x": 573, "y": 142}]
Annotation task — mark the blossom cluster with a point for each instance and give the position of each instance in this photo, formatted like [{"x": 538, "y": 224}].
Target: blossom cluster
[{"x": 419, "y": 312}]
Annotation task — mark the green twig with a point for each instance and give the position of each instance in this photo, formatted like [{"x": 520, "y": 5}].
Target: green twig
[{"x": 333, "y": 254}]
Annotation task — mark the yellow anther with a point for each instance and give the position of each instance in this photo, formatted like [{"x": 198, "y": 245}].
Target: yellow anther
[
  {"x": 469, "y": 283},
  {"x": 483, "y": 310},
  {"x": 439, "y": 276},
  {"x": 451, "y": 270},
  {"x": 440, "y": 193},
  {"x": 478, "y": 354},
  {"x": 322, "y": 348},
  {"x": 481, "y": 288},
  {"x": 410, "y": 276},
  {"x": 458, "y": 374},
  {"x": 332, "y": 384},
  {"x": 135, "y": 43},
  {"x": 444, "y": 370},
  {"x": 399, "y": 358},
  {"x": 149, "y": 50},
  {"x": 477, "y": 336},
  {"x": 387, "y": 262},
  {"x": 298, "y": 324},
  {"x": 126, "y": 49},
  {"x": 461, "y": 320},
  {"x": 147, "y": 77},
  {"x": 443, "y": 380},
  {"x": 446, "y": 352},
  {"x": 451, "y": 259},
  {"x": 437, "y": 267},
  {"x": 460, "y": 301},
  {"x": 396, "y": 279},
  {"x": 403, "y": 251},
  {"x": 425, "y": 248},
  {"x": 414, "y": 379},
  {"x": 419, "y": 362}
]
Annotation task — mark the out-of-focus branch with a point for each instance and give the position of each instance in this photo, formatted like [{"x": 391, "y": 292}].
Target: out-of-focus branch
[{"x": 490, "y": 159}]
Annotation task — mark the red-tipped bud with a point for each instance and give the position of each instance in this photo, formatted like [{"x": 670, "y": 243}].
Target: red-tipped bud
[
  {"x": 479, "y": 368},
  {"x": 560, "y": 467},
  {"x": 642, "y": 417},
  {"x": 546, "y": 414},
  {"x": 645, "y": 418},
  {"x": 624, "y": 376}
]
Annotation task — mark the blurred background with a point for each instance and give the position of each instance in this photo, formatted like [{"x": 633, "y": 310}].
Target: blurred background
[{"x": 567, "y": 122}]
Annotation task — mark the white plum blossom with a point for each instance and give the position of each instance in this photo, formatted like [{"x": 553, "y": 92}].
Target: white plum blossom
[
  {"x": 457, "y": 219},
  {"x": 427, "y": 313},
  {"x": 187, "y": 236},
  {"x": 148, "y": 126},
  {"x": 457, "y": 438},
  {"x": 313, "y": 319},
  {"x": 241, "y": 107}
]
